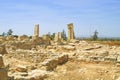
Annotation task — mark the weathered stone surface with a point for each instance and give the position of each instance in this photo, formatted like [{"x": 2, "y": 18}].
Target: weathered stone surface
[
  {"x": 110, "y": 58},
  {"x": 118, "y": 58},
  {"x": 21, "y": 68},
  {"x": 62, "y": 59},
  {"x": 91, "y": 48},
  {"x": 10, "y": 38},
  {"x": 58, "y": 37},
  {"x": 96, "y": 58},
  {"x": 36, "y": 55},
  {"x": 70, "y": 32},
  {"x": 38, "y": 74},
  {"x": 36, "y": 30},
  {"x": 49, "y": 47},
  {"x": 103, "y": 53},
  {"x": 46, "y": 38},
  {"x": 50, "y": 64},
  {"x": 32, "y": 75},
  {"x": 3, "y": 49},
  {"x": 19, "y": 74},
  {"x": 23, "y": 37},
  {"x": 21, "y": 45},
  {"x": 1, "y": 62},
  {"x": 68, "y": 47}
]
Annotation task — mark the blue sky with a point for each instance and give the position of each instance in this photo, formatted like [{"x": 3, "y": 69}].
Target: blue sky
[{"x": 54, "y": 15}]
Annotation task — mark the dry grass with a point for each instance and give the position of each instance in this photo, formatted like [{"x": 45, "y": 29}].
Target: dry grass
[
  {"x": 84, "y": 71},
  {"x": 110, "y": 43}
]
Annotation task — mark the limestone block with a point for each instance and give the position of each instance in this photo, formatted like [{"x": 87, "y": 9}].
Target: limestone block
[
  {"x": 32, "y": 75},
  {"x": 62, "y": 59},
  {"x": 38, "y": 74},
  {"x": 92, "y": 47},
  {"x": 103, "y": 53},
  {"x": 96, "y": 58},
  {"x": 118, "y": 59},
  {"x": 110, "y": 58},
  {"x": 21, "y": 68},
  {"x": 68, "y": 47},
  {"x": 50, "y": 64}
]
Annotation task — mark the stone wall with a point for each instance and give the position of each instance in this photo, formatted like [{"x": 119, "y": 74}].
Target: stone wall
[{"x": 3, "y": 71}]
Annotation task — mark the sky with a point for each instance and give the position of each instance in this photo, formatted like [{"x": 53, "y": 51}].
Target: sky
[{"x": 54, "y": 15}]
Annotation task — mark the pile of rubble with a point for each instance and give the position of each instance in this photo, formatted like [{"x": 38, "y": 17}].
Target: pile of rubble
[{"x": 28, "y": 61}]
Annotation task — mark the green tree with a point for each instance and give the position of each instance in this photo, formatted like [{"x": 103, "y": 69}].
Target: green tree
[
  {"x": 9, "y": 32},
  {"x": 64, "y": 35},
  {"x": 95, "y": 35},
  {"x": 53, "y": 36}
]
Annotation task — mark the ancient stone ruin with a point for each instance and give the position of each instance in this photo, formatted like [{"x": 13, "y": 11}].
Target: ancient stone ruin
[
  {"x": 42, "y": 58},
  {"x": 36, "y": 32},
  {"x": 58, "y": 36},
  {"x": 70, "y": 32}
]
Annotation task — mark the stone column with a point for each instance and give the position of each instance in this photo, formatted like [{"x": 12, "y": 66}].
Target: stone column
[
  {"x": 70, "y": 31},
  {"x": 36, "y": 30},
  {"x": 56, "y": 37},
  {"x": 60, "y": 35}
]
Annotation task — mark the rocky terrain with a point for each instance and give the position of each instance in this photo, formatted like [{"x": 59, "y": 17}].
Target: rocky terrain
[{"x": 74, "y": 60}]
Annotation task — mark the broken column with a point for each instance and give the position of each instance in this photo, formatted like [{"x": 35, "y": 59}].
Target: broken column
[
  {"x": 58, "y": 36},
  {"x": 70, "y": 32},
  {"x": 36, "y": 32}
]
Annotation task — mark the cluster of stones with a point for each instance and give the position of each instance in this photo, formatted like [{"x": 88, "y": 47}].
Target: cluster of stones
[
  {"x": 45, "y": 62},
  {"x": 48, "y": 57},
  {"x": 96, "y": 52}
]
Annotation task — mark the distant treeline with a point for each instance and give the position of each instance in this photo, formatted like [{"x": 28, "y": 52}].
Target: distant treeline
[{"x": 100, "y": 38}]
